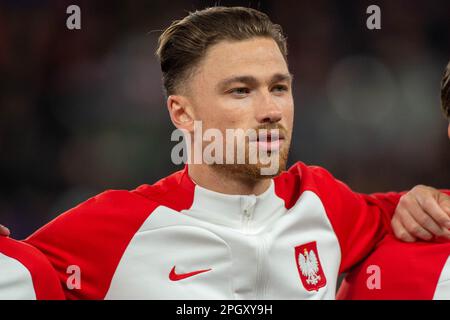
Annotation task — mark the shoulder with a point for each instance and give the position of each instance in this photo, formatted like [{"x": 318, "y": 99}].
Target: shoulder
[
  {"x": 92, "y": 238},
  {"x": 175, "y": 191},
  {"x": 305, "y": 177},
  {"x": 290, "y": 184},
  {"x": 105, "y": 210},
  {"x": 127, "y": 209},
  {"x": 301, "y": 170},
  {"x": 95, "y": 234}
]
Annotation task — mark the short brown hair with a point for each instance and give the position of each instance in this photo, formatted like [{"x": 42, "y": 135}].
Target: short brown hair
[
  {"x": 182, "y": 45},
  {"x": 445, "y": 92}
]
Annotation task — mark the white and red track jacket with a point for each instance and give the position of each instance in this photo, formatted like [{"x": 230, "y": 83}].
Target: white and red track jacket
[
  {"x": 177, "y": 240},
  {"x": 407, "y": 271},
  {"x": 26, "y": 274}
]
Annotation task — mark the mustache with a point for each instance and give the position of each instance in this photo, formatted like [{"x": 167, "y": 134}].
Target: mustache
[{"x": 272, "y": 126}]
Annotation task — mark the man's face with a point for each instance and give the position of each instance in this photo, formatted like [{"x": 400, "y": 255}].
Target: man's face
[{"x": 245, "y": 85}]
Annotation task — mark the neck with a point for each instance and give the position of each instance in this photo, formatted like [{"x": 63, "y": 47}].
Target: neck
[{"x": 219, "y": 181}]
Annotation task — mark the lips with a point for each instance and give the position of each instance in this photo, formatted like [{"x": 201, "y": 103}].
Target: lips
[{"x": 268, "y": 141}]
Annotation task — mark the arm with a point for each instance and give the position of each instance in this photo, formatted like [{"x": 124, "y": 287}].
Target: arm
[
  {"x": 422, "y": 213},
  {"x": 25, "y": 273},
  {"x": 359, "y": 221}
]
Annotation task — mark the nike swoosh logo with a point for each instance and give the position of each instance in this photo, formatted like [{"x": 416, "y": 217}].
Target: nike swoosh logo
[{"x": 180, "y": 276}]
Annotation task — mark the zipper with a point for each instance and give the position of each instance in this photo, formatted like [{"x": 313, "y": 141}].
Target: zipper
[
  {"x": 246, "y": 221},
  {"x": 261, "y": 278}
]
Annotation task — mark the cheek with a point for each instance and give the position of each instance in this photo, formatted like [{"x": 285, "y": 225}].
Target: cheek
[
  {"x": 288, "y": 113},
  {"x": 233, "y": 113},
  {"x": 220, "y": 116}
]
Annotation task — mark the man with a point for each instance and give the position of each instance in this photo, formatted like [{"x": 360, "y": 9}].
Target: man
[
  {"x": 26, "y": 274},
  {"x": 396, "y": 270},
  {"x": 224, "y": 230}
]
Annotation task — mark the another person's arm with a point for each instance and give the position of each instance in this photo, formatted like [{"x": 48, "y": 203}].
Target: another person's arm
[{"x": 26, "y": 274}]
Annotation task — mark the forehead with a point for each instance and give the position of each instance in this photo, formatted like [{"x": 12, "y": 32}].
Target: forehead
[{"x": 259, "y": 57}]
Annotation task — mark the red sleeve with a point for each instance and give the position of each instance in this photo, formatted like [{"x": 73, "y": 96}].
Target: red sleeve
[
  {"x": 405, "y": 271},
  {"x": 45, "y": 280},
  {"x": 359, "y": 221},
  {"x": 92, "y": 236}
]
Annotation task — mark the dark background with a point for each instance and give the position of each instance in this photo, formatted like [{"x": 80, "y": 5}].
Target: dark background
[{"x": 82, "y": 111}]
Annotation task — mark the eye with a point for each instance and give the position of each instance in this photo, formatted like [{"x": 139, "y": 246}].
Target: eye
[
  {"x": 241, "y": 91},
  {"x": 280, "y": 88}
]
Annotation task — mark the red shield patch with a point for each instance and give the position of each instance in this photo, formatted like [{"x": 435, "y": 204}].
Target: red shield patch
[{"x": 309, "y": 267}]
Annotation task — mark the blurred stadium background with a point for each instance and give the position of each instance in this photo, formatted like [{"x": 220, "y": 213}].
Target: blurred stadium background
[{"x": 83, "y": 111}]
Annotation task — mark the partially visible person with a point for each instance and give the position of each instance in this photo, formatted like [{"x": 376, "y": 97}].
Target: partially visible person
[
  {"x": 26, "y": 274},
  {"x": 398, "y": 270}
]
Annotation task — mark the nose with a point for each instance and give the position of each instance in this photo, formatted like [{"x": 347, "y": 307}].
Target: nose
[{"x": 269, "y": 111}]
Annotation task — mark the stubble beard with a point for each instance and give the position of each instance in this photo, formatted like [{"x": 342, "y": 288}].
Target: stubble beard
[{"x": 248, "y": 172}]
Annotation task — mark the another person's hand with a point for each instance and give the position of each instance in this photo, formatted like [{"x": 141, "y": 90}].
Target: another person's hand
[
  {"x": 422, "y": 213},
  {"x": 4, "y": 231}
]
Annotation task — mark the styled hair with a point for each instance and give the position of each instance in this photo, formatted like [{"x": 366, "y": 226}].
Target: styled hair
[
  {"x": 445, "y": 92},
  {"x": 185, "y": 42}
]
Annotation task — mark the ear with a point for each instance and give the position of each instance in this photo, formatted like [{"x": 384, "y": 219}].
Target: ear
[
  {"x": 448, "y": 130},
  {"x": 180, "y": 110}
]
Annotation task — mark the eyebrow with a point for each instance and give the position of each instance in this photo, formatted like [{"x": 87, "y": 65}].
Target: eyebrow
[{"x": 250, "y": 80}]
